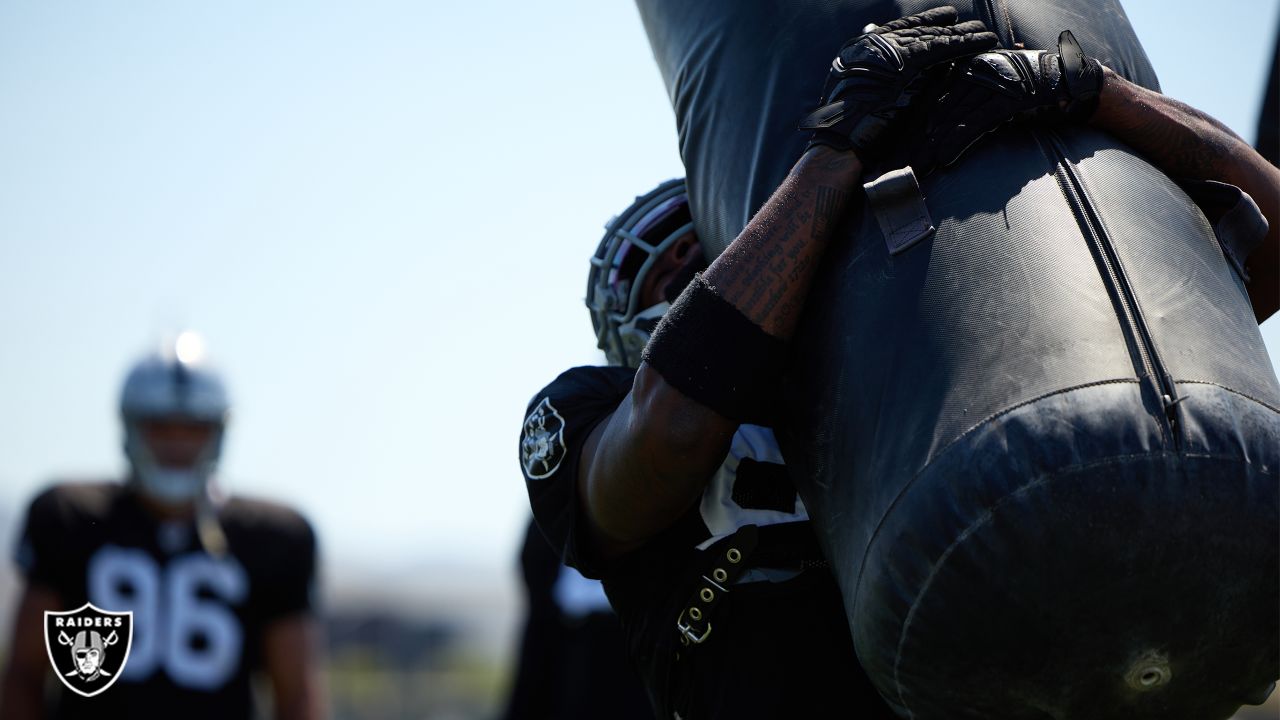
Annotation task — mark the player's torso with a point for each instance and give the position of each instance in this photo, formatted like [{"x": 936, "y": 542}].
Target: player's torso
[
  {"x": 751, "y": 486},
  {"x": 768, "y": 608},
  {"x": 196, "y": 634},
  {"x": 766, "y": 625}
]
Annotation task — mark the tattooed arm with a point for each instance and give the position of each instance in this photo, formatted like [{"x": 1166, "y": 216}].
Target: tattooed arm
[
  {"x": 997, "y": 87},
  {"x": 648, "y": 462},
  {"x": 766, "y": 271},
  {"x": 1184, "y": 142}
]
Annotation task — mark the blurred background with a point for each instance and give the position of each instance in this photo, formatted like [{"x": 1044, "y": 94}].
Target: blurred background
[{"x": 380, "y": 215}]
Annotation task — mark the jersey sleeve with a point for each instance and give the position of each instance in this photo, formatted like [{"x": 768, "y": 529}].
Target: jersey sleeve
[
  {"x": 41, "y": 547},
  {"x": 289, "y": 586},
  {"x": 556, "y": 426}
]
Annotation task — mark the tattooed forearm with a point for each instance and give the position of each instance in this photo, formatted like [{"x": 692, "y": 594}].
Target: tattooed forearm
[
  {"x": 1186, "y": 143},
  {"x": 778, "y": 238},
  {"x": 1182, "y": 142},
  {"x": 773, "y": 238},
  {"x": 767, "y": 270},
  {"x": 1179, "y": 139},
  {"x": 831, "y": 201}
]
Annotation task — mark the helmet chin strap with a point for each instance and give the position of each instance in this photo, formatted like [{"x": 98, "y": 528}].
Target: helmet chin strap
[
  {"x": 186, "y": 487},
  {"x": 209, "y": 531}
]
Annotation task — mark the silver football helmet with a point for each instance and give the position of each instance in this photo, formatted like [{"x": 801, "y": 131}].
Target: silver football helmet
[
  {"x": 632, "y": 243},
  {"x": 175, "y": 384}
]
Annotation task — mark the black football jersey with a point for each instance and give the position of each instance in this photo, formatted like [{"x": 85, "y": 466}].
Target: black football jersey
[
  {"x": 751, "y": 487},
  {"x": 198, "y": 619},
  {"x": 781, "y": 646}
]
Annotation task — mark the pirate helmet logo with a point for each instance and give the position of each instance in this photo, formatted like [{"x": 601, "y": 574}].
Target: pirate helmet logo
[
  {"x": 88, "y": 647},
  {"x": 542, "y": 443}
]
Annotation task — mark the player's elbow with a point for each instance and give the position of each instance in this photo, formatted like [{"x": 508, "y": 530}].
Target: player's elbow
[
  {"x": 678, "y": 437},
  {"x": 649, "y": 463}
]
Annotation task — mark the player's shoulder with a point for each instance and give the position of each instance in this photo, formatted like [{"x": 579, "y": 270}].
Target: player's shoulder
[
  {"x": 276, "y": 546},
  {"x": 263, "y": 518},
  {"x": 587, "y": 384},
  {"x": 73, "y": 502}
]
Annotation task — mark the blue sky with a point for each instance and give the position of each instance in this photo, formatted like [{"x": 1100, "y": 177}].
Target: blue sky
[{"x": 379, "y": 214}]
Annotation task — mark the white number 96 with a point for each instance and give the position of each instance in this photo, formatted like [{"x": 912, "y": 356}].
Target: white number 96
[{"x": 169, "y": 613}]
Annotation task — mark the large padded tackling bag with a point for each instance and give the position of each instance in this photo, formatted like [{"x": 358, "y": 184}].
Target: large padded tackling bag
[{"x": 1040, "y": 445}]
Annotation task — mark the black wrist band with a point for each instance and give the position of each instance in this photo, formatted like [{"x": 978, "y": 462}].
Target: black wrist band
[{"x": 707, "y": 349}]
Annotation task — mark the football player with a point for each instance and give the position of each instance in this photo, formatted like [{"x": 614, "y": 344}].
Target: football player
[
  {"x": 219, "y": 587},
  {"x": 661, "y": 474},
  {"x": 771, "y": 640}
]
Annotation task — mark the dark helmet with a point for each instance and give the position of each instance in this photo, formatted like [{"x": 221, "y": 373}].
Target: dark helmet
[{"x": 632, "y": 243}]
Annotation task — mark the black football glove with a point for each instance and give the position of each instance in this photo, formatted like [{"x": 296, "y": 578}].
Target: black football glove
[
  {"x": 996, "y": 87},
  {"x": 877, "y": 74}
]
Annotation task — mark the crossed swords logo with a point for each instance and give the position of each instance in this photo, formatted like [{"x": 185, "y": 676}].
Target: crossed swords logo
[{"x": 88, "y": 647}]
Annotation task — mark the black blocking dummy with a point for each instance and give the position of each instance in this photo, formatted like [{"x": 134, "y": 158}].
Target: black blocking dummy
[{"x": 1041, "y": 444}]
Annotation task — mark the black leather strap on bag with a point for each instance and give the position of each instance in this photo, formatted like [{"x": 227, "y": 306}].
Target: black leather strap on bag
[{"x": 787, "y": 546}]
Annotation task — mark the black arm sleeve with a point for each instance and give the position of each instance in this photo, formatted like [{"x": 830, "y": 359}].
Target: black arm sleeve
[{"x": 557, "y": 423}]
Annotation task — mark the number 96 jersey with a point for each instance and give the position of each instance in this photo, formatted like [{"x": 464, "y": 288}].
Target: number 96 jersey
[{"x": 198, "y": 619}]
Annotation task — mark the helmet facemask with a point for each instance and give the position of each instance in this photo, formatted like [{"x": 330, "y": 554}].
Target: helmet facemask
[
  {"x": 161, "y": 475},
  {"x": 174, "y": 410},
  {"x": 633, "y": 243}
]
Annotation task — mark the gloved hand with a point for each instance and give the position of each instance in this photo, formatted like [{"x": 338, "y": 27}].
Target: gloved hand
[
  {"x": 996, "y": 87},
  {"x": 877, "y": 74}
]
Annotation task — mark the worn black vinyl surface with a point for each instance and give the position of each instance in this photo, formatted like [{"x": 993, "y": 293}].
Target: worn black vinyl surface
[
  {"x": 741, "y": 73},
  {"x": 1040, "y": 446}
]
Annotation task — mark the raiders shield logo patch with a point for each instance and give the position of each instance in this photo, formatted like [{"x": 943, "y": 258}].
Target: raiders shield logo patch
[
  {"x": 542, "y": 444},
  {"x": 88, "y": 647}
]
